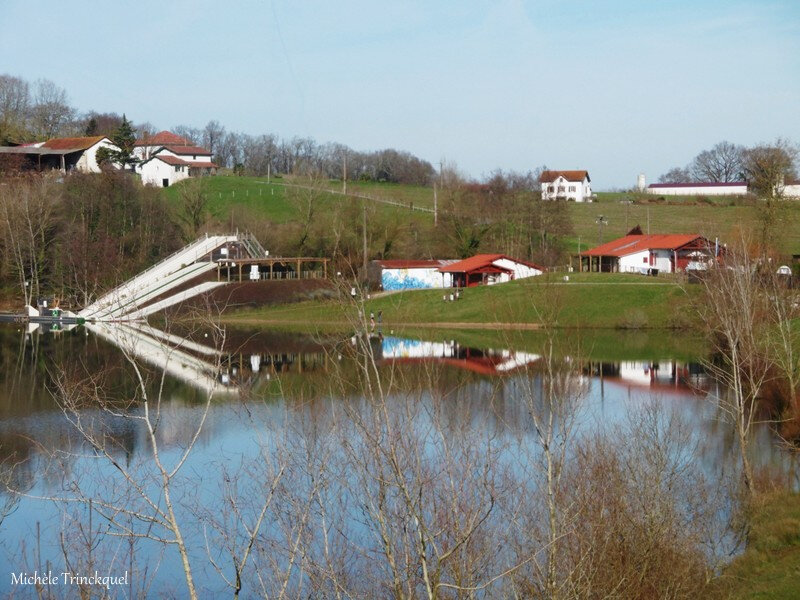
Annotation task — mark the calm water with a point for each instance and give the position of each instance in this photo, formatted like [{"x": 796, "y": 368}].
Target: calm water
[{"x": 274, "y": 395}]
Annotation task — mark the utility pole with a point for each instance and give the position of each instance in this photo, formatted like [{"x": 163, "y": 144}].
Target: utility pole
[
  {"x": 344, "y": 176},
  {"x": 269, "y": 166},
  {"x": 601, "y": 220},
  {"x": 435, "y": 207},
  {"x": 364, "y": 212}
]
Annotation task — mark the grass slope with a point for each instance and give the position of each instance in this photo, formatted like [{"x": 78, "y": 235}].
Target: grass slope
[
  {"x": 608, "y": 301},
  {"x": 769, "y": 569},
  {"x": 715, "y": 218}
]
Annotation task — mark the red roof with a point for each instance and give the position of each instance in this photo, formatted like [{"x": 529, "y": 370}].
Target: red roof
[
  {"x": 209, "y": 165},
  {"x": 178, "y": 149},
  {"x": 72, "y": 143},
  {"x": 551, "y": 176},
  {"x": 481, "y": 261},
  {"x": 631, "y": 244},
  {"x": 171, "y": 160},
  {"x": 164, "y": 138},
  {"x": 699, "y": 184}
]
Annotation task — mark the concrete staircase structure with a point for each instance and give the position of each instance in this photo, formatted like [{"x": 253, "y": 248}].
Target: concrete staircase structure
[{"x": 133, "y": 300}]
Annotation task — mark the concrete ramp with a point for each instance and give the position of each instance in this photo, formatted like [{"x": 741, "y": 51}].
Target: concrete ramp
[{"x": 167, "y": 274}]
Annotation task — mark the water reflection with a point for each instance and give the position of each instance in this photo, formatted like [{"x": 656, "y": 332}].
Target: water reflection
[{"x": 263, "y": 383}]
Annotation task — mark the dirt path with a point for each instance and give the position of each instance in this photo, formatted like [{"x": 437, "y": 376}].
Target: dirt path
[{"x": 387, "y": 324}]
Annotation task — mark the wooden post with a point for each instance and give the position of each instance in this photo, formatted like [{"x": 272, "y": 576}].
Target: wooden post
[
  {"x": 298, "y": 268},
  {"x": 240, "y": 272},
  {"x": 325, "y": 267},
  {"x": 272, "y": 262},
  {"x": 435, "y": 206}
]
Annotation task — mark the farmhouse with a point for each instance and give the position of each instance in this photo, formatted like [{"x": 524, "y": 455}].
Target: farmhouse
[
  {"x": 735, "y": 188},
  {"x": 167, "y": 158},
  {"x": 488, "y": 269},
  {"x": 393, "y": 275},
  {"x": 639, "y": 253},
  {"x": 566, "y": 185},
  {"x": 63, "y": 154}
]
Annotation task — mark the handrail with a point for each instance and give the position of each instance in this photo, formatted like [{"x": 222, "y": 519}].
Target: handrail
[{"x": 103, "y": 302}]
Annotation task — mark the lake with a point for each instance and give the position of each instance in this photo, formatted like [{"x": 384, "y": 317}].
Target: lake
[{"x": 346, "y": 464}]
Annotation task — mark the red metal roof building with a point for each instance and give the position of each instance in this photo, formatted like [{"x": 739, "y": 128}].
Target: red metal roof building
[
  {"x": 641, "y": 253},
  {"x": 488, "y": 269}
]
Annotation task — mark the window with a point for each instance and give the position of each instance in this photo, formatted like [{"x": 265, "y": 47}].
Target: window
[
  {"x": 194, "y": 156},
  {"x": 177, "y": 168},
  {"x": 644, "y": 259},
  {"x": 572, "y": 188},
  {"x": 551, "y": 188}
]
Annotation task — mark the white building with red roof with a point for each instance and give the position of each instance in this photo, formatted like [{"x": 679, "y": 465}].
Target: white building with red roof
[
  {"x": 166, "y": 158},
  {"x": 488, "y": 269},
  {"x": 575, "y": 186},
  {"x": 642, "y": 253}
]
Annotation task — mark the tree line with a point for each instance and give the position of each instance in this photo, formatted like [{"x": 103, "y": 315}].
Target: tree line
[
  {"x": 765, "y": 167},
  {"x": 42, "y": 110}
]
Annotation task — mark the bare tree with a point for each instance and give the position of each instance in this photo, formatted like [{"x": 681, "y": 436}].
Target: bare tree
[
  {"x": 51, "y": 113},
  {"x": 722, "y": 163},
  {"x": 766, "y": 167},
  {"x": 735, "y": 310},
  {"x": 15, "y": 99}
]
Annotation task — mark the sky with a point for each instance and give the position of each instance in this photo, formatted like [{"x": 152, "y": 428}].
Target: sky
[{"x": 617, "y": 88}]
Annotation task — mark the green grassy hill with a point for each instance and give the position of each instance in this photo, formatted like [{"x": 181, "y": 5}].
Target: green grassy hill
[
  {"x": 587, "y": 300},
  {"x": 254, "y": 197}
]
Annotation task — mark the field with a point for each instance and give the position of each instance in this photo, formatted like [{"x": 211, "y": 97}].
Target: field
[
  {"x": 255, "y": 198},
  {"x": 587, "y": 300},
  {"x": 769, "y": 569}
]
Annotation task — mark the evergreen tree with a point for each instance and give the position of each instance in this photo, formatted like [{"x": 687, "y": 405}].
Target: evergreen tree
[{"x": 124, "y": 138}]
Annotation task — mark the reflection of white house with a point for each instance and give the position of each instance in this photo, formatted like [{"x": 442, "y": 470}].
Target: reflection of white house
[
  {"x": 410, "y": 274},
  {"x": 167, "y": 158},
  {"x": 566, "y": 185},
  {"x": 64, "y": 154}
]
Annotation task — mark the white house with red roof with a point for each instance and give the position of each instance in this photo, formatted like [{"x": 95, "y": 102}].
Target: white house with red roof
[
  {"x": 575, "y": 186},
  {"x": 166, "y": 158},
  {"x": 488, "y": 269},
  {"x": 642, "y": 253}
]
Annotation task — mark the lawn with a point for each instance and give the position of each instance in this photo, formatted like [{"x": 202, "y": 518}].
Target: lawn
[
  {"x": 254, "y": 197},
  {"x": 611, "y": 301},
  {"x": 769, "y": 569}
]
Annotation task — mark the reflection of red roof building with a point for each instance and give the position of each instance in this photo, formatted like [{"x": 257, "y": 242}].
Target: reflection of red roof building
[
  {"x": 669, "y": 377},
  {"x": 488, "y": 269}
]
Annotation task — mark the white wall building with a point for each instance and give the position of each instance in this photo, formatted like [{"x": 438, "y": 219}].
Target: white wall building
[
  {"x": 566, "y": 185},
  {"x": 167, "y": 158},
  {"x": 736, "y": 188},
  {"x": 411, "y": 274}
]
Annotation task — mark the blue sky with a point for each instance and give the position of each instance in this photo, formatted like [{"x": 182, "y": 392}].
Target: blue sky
[{"x": 617, "y": 88}]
